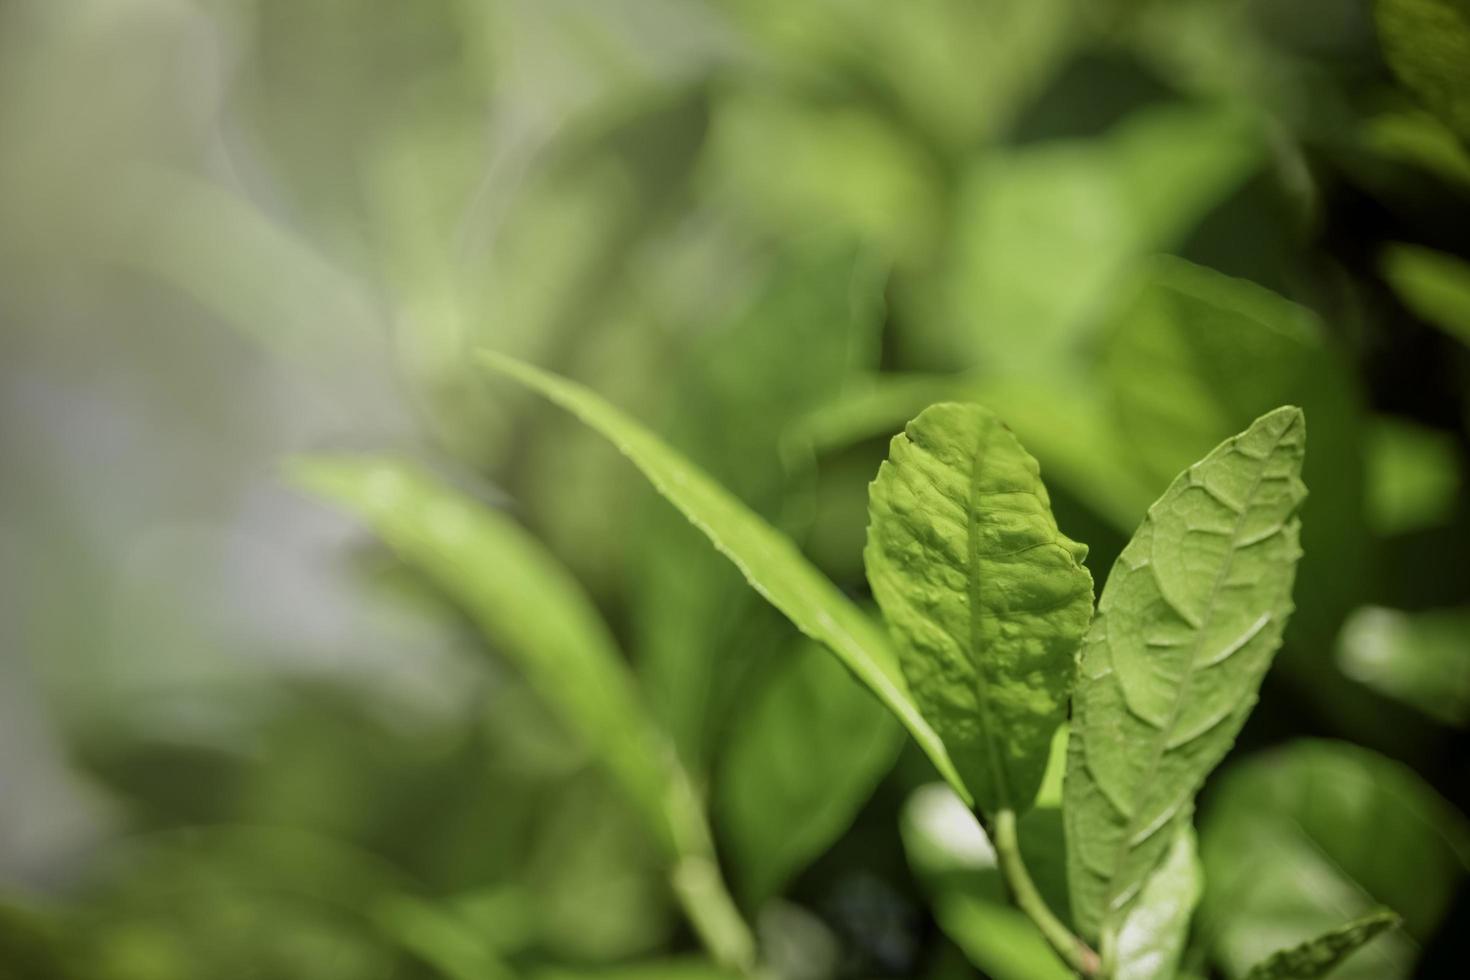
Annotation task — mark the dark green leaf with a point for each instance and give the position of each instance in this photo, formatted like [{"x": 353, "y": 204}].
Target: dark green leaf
[
  {"x": 987, "y": 599},
  {"x": 801, "y": 761},
  {"x": 1186, "y": 628},
  {"x": 1427, "y": 43},
  {"x": 1300, "y": 839},
  {"x": 770, "y": 561},
  {"x": 1317, "y": 957},
  {"x": 1415, "y": 657}
]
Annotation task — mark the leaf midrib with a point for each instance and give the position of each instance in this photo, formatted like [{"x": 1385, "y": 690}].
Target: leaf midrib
[{"x": 972, "y": 581}]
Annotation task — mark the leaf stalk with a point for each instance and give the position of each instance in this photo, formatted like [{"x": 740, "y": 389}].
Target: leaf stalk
[{"x": 1073, "y": 951}]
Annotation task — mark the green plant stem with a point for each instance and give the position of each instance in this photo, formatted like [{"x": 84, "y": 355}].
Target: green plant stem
[
  {"x": 1073, "y": 951},
  {"x": 697, "y": 883},
  {"x": 712, "y": 913}
]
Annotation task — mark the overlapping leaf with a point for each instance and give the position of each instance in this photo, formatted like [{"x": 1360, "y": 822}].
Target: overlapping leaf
[
  {"x": 985, "y": 596},
  {"x": 1187, "y": 625},
  {"x": 770, "y": 562}
]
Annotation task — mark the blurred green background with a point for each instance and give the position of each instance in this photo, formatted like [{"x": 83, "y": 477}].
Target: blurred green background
[{"x": 239, "y": 739}]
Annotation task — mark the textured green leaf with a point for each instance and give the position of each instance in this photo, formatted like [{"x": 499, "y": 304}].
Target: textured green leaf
[
  {"x": 987, "y": 599},
  {"x": 1300, "y": 839},
  {"x": 524, "y": 601},
  {"x": 1414, "y": 657},
  {"x": 777, "y": 808},
  {"x": 1151, "y": 940},
  {"x": 1189, "y": 620},
  {"x": 770, "y": 561},
  {"x": 1317, "y": 957},
  {"x": 955, "y": 861},
  {"x": 1427, "y": 43}
]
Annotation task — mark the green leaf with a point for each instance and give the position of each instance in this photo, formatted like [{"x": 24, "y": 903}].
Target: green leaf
[
  {"x": 1317, "y": 957},
  {"x": 956, "y": 863},
  {"x": 770, "y": 561},
  {"x": 1091, "y": 207},
  {"x": 699, "y": 629},
  {"x": 1151, "y": 940},
  {"x": 1427, "y": 44},
  {"x": 777, "y": 808},
  {"x": 1436, "y": 286},
  {"x": 1297, "y": 840},
  {"x": 1414, "y": 657},
  {"x": 1186, "y": 628},
  {"x": 987, "y": 598},
  {"x": 1413, "y": 476},
  {"x": 523, "y": 600}
]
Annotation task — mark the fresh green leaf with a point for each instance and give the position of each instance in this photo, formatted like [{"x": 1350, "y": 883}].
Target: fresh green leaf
[
  {"x": 1151, "y": 940},
  {"x": 778, "y": 808},
  {"x": 1186, "y": 628},
  {"x": 1427, "y": 43},
  {"x": 526, "y": 602},
  {"x": 988, "y": 600},
  {"x": 770, "y": 562},
  {"x": 954, "y": 859},
  {"x": 1318, "y": 957},
  {"x": 1414, "y": 657},
  {"x": 1300, "y": 839}
]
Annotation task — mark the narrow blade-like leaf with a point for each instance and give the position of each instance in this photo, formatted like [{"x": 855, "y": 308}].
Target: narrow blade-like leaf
[
  {"x": 523, "y": 600},
  {"x": 1186, "y": 628},
  {"x": 1316, "y": 957},
  {"x": 770, "y": 561},
  {"x": 987, "y": 599}
]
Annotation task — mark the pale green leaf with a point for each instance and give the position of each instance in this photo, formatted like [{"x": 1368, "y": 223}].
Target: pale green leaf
[
  {"x": 1418, "y": 658},
  {"x": 777, "y": 808},
  {"x": 1298, "y": 840},
  {"x": 523, "y": 600},
  {"x": 1151, "y": 940},
  {"x": 986, "y": 598},
  {"x": 1427, "y": 44},
  {"x": 1318, "y": 957},
  {"x": 1189, "y": 620},
  {"x": 770, "y": 561}
]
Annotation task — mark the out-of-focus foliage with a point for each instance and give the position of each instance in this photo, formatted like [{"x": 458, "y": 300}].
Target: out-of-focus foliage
[{"x": 238, "y": 738}]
